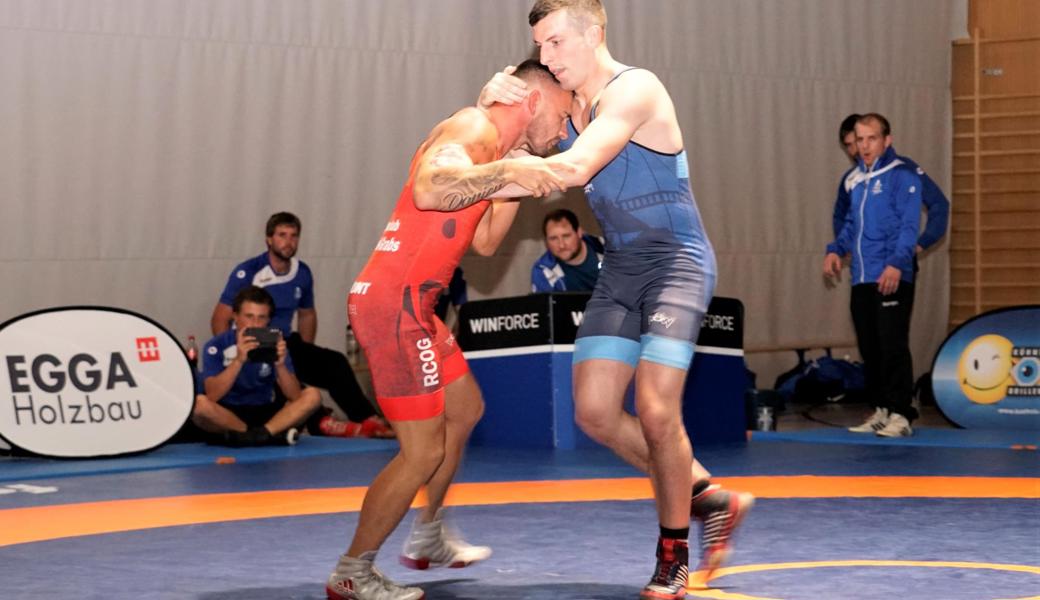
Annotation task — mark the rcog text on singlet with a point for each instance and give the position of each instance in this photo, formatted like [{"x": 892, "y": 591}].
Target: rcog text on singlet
[{"x": 428, "y": 362}]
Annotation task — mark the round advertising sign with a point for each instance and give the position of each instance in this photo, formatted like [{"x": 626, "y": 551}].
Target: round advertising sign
[
  {"x": 91, "y": 381},
  {"x": 987, "y": 372}
]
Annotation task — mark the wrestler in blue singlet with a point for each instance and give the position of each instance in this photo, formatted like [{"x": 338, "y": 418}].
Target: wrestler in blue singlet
[{"x": 659, "y": 270}]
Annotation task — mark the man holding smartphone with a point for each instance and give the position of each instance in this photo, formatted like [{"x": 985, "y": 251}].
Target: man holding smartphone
[
  {"x": 291, "y": 284},
  {"x": 240, "y": 368}
]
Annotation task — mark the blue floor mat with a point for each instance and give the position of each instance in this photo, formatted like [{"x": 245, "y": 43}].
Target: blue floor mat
[
  {"x": 183, "y": 455},
  {"x": 595, "y": 550},
  {"x": 923, "y": 436}
]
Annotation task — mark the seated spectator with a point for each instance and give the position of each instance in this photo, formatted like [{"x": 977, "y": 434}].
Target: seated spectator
[
  {"x": 290, "y": 282},
  {"x": 573, "y": 258},
  {"x": 239, "y": 403}
]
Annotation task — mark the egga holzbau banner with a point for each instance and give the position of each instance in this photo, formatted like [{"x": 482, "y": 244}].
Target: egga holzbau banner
[{"x": 91, "y": 381}]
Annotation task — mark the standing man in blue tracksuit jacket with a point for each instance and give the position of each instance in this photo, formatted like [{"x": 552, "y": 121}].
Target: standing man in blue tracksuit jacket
[
  {"x": 936, "y": 206},
  {"x": 880, "y": 231}
]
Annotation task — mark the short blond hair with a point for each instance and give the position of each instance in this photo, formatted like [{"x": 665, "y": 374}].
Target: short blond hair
[{"x": 583, "y": 13}]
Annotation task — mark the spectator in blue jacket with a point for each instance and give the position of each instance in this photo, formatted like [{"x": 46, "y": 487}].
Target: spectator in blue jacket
[
  {"x": 239, "y": 403},
  {"x": 936, "y": 205},
  {"x": 572, "y": 259},
  {"x": 880, "y": 230},
  {"x": 290, "y": 283}
]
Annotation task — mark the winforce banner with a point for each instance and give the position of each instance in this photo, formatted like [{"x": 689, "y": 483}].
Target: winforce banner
[
  {"x": 554, "y": 318},
  {"x": 91, "y": 381},
  {"x": 987, "y": 373}
]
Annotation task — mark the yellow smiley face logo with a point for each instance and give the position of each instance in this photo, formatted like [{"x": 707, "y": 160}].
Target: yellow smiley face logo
[{"x": 984, "y": 370}]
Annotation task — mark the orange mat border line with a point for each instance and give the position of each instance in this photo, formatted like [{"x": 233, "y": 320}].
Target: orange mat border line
[{"x": 33, "y": 524}]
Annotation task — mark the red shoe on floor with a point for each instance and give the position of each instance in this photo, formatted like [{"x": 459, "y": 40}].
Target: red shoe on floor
[
  {"x": 720, "y": 513},
  {"x": 376, "y": 427},
  {"x": 372, "y": 427},
  {"x": 672, "y": 572}
]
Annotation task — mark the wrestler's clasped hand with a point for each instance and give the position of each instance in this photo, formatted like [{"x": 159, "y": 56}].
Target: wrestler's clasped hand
[{"x": 538, "y": 176}]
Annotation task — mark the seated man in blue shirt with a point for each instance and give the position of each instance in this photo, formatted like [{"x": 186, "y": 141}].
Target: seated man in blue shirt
[
  {"x": 573, "y": 258},
  {"x": 291, "y": 284},
  {"x": 239, "y": 402}
]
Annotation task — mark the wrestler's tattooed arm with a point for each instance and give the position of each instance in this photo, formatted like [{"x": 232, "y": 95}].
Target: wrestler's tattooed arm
[
  {"x": 463, "y": 187},
  {"x": 458, "y": 167}
]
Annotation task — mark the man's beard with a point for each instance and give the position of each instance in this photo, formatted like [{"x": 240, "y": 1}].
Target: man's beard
[{"x": 281, "y": 255}]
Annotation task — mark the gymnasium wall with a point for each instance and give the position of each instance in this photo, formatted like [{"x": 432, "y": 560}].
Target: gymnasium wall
[
  {"x": 143, "y": 143},
  {"x": 995, "y": 225}
]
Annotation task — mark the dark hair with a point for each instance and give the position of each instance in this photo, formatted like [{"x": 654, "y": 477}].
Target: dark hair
[
  {"x": 531, "y": 71},
  {"x": 582, "y": 13},
  {"x": 282, "y": 218},
  {"x": 254, "y": 294},
  {"x": 886, "y": 130},
  {"x": 848, "y": 125},
  {"x": 560, "y": 214}
]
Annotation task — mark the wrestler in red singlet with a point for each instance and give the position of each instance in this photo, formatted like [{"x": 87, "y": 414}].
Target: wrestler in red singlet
[
  {"x": 421, "y": 379},
  {"x": 411, "y": 353}
]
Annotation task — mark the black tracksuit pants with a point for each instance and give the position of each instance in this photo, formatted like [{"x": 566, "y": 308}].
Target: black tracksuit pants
[
  {"x": 883, "y": 334},
  {"x": 320, "y": 367}
]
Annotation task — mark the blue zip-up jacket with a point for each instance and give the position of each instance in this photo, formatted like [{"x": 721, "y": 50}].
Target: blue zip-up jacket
[
  {"x": 937, "y": 207},
  {"x": 546, "y": 273},
  {"x": 883, "y": 220}
]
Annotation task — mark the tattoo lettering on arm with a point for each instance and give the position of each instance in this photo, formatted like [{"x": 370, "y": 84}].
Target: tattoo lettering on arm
[{"x": 463, "y": 191}]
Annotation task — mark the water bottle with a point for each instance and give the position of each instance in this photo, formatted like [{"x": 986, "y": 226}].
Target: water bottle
[
  {"x": 192, "y": 352},
  {"x": 765, "y": 419}
]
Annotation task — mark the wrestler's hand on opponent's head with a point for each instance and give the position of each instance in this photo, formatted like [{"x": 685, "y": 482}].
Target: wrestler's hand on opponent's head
[{"x": 503, "y": 88}]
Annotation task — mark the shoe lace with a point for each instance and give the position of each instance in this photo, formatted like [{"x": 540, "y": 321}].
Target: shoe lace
[
  {"x": 452, "y": 539},
  {"x": 670, "y": 573},
  {"x": 664, "y": 571},
  {"x": 388, "y": 588},
  {"x": 439, "y": 542},
  {"x": 444, "y": 544},
  {"x": 427, "y": 540}
]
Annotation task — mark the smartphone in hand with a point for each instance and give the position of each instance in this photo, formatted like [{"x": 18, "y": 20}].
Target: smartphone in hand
[{"x": 268, "y": 337}]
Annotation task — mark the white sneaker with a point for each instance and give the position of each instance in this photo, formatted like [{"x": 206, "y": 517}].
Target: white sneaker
[
  {"x": 875, "y": 423},
  {"x": 357, "y": 579},
  {"x": 897, "y": 426},
  {"x": 434, "y": 544}
]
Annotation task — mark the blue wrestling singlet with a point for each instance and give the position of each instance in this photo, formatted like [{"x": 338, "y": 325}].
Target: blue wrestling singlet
[{"x": 659, "y": 270}]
